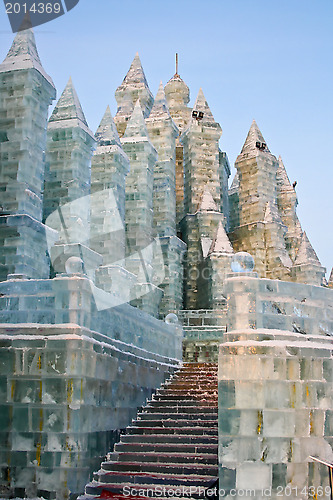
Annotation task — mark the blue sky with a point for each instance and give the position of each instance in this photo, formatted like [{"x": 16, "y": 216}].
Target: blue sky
[{"x": 268, "y": 60}]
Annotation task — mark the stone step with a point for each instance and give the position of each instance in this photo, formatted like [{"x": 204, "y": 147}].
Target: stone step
[
  {"x": 180, "y": 403},
  {"x": 151, "y": 478},
  {"x": 188, "y": 397},
  {"x": 165, "y": 448},
  {"x": 183, "y": 391},
  {"x": 168, "y": 438},
  {"x": 191, "y": 377},
  {"x": 108, "y": 490},
  {"x": 204, "y": 387},
  {"x": 179, "y": 431},
  {"x": 172, "y": 443},
  {"x": 199, "y": 415},
  {"x": 168, "y": 422},
  {"x": 170, "y": 458},
  {"x": 184, "y": 469},
  {"x": 174, "y": 410}
]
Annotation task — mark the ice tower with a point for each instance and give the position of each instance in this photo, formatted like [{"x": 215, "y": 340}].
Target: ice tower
[{"x": 26, "y": 92}]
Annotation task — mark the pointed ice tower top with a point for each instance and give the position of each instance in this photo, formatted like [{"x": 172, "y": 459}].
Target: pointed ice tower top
[
  {"x": 207, "y": 203},
  {"x": 23, "y": 54},
  {"x": 136, "y": 126},
  {"x": 160, "y": 109},
  {"x": 330, "y": 281},
  {"x": 221, "y": 243},
  {"x": 234, "y": 185},
  {"x": 136, "y": 84},
  {"x": 68, "y": 111},
  {"x": 201, "y": 106},
  {"x": 135, "y": 74},
  {"x": 107, "y": 134},
  {"x": 306, "y": 253},
  {"x": 255, "y": 142},
  {"x": 282, "y": 178}
]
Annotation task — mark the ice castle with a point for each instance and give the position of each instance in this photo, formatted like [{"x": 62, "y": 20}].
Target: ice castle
[{"x": 123, "y": 254}]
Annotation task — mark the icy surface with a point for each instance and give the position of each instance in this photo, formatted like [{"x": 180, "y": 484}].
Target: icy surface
[
  {"x": 221, "y": 244},
  {"x": 23, "y": 54},
  {"x": 253, "y": 136},
  {"x": 306, "y": 253},
  {"x": 107, "y": 133}
]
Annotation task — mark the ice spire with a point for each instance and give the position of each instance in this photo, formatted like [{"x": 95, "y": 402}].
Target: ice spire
[
  {"x": 23, "y": 54},
  {"x": 221, "y": 243},
  {"x": 107, "y": 134},
  {"x": 306, "y": 253},
  {"x": 26, "y": 92},
  {"x": 67, "y": 174},
  {"x": 160, "y": 109},
  {"x": 207, "y": 202},
  {"x": 330, "y": 281},
  {"x": 201, "y": 106},
  {"x": 282, "y": 178},
  {"x": 69, "y": 108},
  {"x": 135, "y": 83},
  {"x": 254, "y": 136},
  {"x": 136, "y": 126},
  {"x": 109, "y": 167},
  {"x": 235, "y": 184},
  {"x": 135, "y": 74}
]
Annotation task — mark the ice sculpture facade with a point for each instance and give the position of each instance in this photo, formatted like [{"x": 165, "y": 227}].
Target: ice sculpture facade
[{"x": 109, "y": 233}]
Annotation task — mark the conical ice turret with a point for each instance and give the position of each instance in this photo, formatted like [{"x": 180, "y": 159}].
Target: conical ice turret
[
  {"x": 287, "y": 203},
  {"x": 256, "y": 168},
  {"x": 109, "y": 167},
  {"x": 207, "y": 219},
  {"x": 163, "y": 133},
  {"x": 23, "y": 173},
  {"x": 70, "y": 145},
  {"x": 139, "y": 182},
  {"x": 178, "y": 96},
  {"x": 202, "y": 171},
  {"x": 208, "y": 203},
  {"x": 214, "y": 270},
  {"x": 135, "y": 84},
  {"x": 201, "y": 158},
  {"x": 26, "y": 91},
  {"x": 139, "y": 205},
  {"x": 307, "y": 267},
  {"x": 330, "y": 281},
  {"x": 221, "y": 243}
]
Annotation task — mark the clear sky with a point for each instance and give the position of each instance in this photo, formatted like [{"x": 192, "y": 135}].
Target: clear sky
[{"x": 271, "y": 60}]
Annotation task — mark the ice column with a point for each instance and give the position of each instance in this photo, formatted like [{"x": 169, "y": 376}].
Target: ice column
[
  {"x": 163, "y": 132},
  {"x": 139, "y": 208},
  {"x": 70, "y": 145}
]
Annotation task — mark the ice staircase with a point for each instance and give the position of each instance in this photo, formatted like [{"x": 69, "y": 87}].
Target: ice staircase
[{"x": 171, "y": 445}]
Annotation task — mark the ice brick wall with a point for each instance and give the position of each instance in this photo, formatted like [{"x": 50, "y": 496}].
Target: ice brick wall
[
  {"x": 275, "y": 409},
  {"x": 263, "y": 303},
  {"x": 65, "y": 392},
  {"x": 71, "y": 299}
]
